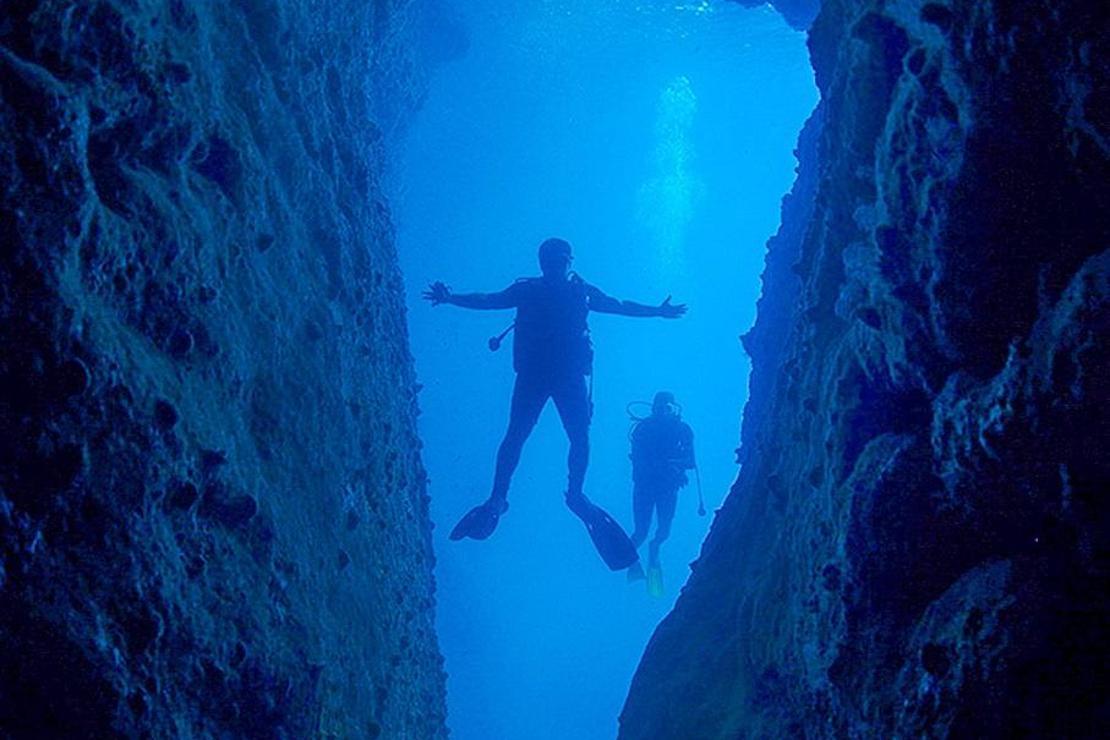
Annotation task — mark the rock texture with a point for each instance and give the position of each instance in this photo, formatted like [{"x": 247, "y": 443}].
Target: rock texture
[
  {"x": 213, "y": 519},
  {"x": 918, "y": 543}
]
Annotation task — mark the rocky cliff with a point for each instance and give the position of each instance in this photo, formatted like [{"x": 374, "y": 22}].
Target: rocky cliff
[
  {"x": 213, "y": 519},
  {"x": 917, "y": 542}
]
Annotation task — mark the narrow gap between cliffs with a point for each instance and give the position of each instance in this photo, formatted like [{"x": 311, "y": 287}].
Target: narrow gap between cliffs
[{"x": 659, "y": 142}]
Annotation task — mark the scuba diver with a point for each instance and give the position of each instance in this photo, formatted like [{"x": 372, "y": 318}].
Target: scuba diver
[
  {"x": 662, "y": 452},
  {"x": 552, "y": 357}
]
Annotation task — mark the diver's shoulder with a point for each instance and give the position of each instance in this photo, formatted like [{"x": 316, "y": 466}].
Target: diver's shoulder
[
  {"x": 581, "y": 282},
  {"x": 526, "y": 284}
]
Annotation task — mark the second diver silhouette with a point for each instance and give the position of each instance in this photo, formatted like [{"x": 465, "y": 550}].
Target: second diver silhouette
[
  {"x": 662, "y": 452},
  {"x": 552, "y": 357}
]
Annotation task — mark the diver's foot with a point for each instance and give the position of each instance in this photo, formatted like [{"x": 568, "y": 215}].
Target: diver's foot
[
  {"x": 479, "y": 522},
  {"x": 635, "y": 572},
  {"x": 579, "y": 504},
  {"x": 655, "y": 581}
]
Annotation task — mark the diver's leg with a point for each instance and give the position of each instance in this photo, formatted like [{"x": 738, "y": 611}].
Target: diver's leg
[
  {"x": 642, "y": 504},
  {"x": 665, "y": 503},
  {"x": 529, "y": 397},
  {"x": 573, "y": 402}
]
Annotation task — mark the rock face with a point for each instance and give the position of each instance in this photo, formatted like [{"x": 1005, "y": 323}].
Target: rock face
[
  {"x": 213, "y": 519},
  {"x": 917, "y": 542}
]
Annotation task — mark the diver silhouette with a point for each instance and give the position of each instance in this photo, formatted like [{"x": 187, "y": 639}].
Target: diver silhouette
[
  {"x": 662, "y": 452},
  {"x": 552, "y": 357}
]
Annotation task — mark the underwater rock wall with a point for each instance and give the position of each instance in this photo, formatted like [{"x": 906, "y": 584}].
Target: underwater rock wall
[
  {"x": 213, "y": 520},
  {"x": 917, "y": 543}
]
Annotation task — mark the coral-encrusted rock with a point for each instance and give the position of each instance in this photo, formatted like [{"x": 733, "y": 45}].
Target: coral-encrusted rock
[
  {"x": 206, "y": 378},
  {"x": 917, "y": 542}
]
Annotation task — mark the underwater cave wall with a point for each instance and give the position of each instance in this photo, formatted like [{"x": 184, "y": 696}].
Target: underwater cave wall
[
  {"x": 213, "y": 520},
  {"x": 917, "y": 542}
]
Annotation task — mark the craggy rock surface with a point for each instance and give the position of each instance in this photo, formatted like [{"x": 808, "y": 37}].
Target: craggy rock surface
[
  {"x": 918, "y": 541},
  {"x": 213, "y": 519}
]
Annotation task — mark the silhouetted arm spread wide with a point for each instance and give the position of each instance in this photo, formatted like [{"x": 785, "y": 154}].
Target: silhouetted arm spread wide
[
  {"x": 439, "y": 293},
  {"x": 607, "y": 304}
]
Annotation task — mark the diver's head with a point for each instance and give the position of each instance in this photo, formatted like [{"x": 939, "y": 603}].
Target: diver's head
[
  {"x": 664, "y": 404},
  {"x": 555, "y": 257}
]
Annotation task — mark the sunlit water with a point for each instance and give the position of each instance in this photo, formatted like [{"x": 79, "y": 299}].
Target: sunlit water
[{"x": 657, "y": 138}]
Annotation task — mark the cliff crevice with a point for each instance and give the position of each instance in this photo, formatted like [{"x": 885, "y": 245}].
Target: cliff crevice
[{"x": 916, "y": 542}]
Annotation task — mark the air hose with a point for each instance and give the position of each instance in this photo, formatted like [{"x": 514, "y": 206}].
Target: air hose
[
  {"x": 495, "y": 342},
  {"x": 701, "y": 501}
]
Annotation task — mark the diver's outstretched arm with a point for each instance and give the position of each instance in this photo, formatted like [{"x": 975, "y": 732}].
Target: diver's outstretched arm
[
  {"x": 607, "y": 304},
  {"x": 439, "y": 293}
]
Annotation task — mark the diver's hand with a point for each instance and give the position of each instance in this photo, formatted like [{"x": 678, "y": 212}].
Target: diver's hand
[
  {"x": 667, "y": 311},
  {"x": 437, "y": 293}
]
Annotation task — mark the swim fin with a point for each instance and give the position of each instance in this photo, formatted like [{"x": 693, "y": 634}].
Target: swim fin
[
  {"x": 655, "y": 581},
  {"x": 614, "y": 546},
  {"x": 479, "y": 522}
]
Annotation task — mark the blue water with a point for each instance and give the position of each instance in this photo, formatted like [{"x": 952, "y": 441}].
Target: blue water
[{"x": 657, "y": 140}]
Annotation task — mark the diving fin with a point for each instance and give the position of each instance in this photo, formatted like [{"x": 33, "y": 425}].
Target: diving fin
[
  {"x": 479, "y": 522},
  {"x": 655, "y": 581},
  {"x": 614, "y": 546}
]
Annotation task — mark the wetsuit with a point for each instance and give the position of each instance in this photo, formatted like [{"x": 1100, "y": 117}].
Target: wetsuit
[
  {"x": 552, "y": 356},
  {"x": 662, "y": 451}
]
